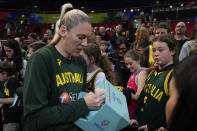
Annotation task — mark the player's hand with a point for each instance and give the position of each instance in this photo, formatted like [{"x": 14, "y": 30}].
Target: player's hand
[
  {"x": 143, "y": 128},
  {"x": 133, "y": 121},
  {"x": 96, "y": 99},
  {"x": 162, "y": 129}
]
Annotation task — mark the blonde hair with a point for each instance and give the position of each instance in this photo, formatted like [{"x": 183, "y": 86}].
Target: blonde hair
[
  {"x": 141, "y": 36},
  {"x": 69, "y": 17}
]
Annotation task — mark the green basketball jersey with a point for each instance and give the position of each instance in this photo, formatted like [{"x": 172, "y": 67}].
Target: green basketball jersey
[
  {"x": 155, "y": 96},
  {"x": 48, "y": 75}
]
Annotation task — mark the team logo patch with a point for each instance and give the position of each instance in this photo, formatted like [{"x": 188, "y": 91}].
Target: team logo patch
[
  {"x": 64, "y": 97},
  {"x": 59, "y": 62}
]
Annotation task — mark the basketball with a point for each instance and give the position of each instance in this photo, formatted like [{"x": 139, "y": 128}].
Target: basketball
[{"x": 64, "y": 97}]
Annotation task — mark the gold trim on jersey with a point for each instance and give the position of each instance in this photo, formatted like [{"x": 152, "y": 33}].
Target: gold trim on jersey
[
  {"x": 157, "y": 73},
  {"x": 100, "y": 70},
  {"x": 148, "y": 77},
  {"x": 166, "y": 81},
  {"x": 91, "y": 82}
]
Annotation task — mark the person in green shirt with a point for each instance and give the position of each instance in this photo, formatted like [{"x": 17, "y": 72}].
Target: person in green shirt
[
  {"x": 8, "y": 86},
  {"x": 55, "y": 76},
  {"x": 150, "y": 112}
]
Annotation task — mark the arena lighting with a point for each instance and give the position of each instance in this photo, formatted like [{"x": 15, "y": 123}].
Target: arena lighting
[
  {"x": 35, "y": 6},
  {"x": 142, "y": 13},
  {"x": 131, "y": 10},
  {"x": 92, "y": 11},
  {"x": 124, "y": 10}
]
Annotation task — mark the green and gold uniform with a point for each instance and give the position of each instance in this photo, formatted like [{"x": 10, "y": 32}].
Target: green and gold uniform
[
  {"x": 8, "y": 90},
  {"x": 91, "y": 83},
  {"x": 48, "y": 75},
  {"x": 151, "y": 108}
]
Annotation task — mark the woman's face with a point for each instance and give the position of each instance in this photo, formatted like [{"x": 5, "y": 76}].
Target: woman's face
[
  {"x": 31, "y": 40},
  {"x": 131, "y": 64},
  {"x": 103, "y": 47},
  {"x": 76, "y": 38},
  {"x": 121, "y": 49},
  {"x": 9, "y": 52},
  {"x": 172, "y": 101}
]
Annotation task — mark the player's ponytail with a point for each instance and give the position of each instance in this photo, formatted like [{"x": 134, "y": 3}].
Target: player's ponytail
[{"x": 93, "y": 50}]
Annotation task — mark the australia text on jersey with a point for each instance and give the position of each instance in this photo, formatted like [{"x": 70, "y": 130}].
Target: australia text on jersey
[{"x": 68, "y": 77}]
